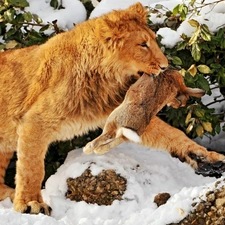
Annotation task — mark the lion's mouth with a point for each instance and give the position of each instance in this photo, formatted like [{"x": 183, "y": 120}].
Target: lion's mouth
[{"x": 140, "y": 73}]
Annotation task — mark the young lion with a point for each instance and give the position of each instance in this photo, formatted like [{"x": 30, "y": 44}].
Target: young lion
[
  {"x": 143, "y": 100},
  {"x": 70, "y": 85}
]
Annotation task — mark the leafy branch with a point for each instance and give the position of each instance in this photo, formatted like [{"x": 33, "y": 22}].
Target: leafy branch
[{"x": 201, "y": 60}]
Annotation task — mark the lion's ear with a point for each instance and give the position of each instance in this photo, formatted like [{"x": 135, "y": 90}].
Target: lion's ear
[
  {"x": 116, "y": 26},
  {"x": 110, "y": 33},
  {"x": 140, "y": 10}
]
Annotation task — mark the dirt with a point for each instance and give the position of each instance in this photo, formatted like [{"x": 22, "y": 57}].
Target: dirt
[{"x": 102, "y": 189}]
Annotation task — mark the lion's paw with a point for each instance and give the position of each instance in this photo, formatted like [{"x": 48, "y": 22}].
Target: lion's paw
[
  {"x": 206, "y": 163},
  {"x": 6, "y": 191},
  {"x": 32, "y": 207},
  {"x": 211, "y": 169},
  {"x": 213, "y": 165}
]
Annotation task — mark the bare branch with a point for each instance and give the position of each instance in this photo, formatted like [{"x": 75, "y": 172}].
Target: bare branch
[{"x": 211, "y": 103}]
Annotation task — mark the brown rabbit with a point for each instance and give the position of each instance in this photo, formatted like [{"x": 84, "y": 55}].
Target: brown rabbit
[{"x": 143, "y": 100}]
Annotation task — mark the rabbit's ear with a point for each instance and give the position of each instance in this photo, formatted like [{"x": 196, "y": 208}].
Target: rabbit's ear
[{"x": 195, "y": 92}]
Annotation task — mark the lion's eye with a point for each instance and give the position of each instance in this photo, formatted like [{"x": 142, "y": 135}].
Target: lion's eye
[{"x": 144, "y": 44}]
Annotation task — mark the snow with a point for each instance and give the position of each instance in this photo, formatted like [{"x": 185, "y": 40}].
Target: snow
[
  {"x": 169, "y": 40},
  {"x": 73, "y": 13},
  {"x": 157, "y": 171}
]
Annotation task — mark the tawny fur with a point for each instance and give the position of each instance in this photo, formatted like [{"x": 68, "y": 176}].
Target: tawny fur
[
  {"x": 143, "y": 100},
  {"x": 70, "y": 85}
]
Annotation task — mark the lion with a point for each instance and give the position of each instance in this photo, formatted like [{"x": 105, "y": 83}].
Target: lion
[{"x": 69, "y": 86}]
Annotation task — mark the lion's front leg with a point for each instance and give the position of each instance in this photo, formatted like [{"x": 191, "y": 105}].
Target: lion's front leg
[
  {"x": 161, "y": 135},
  {"x": 32, "y": 146}
]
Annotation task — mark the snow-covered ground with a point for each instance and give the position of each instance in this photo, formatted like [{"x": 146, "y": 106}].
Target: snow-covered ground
[{"x": 157, "y": 171}]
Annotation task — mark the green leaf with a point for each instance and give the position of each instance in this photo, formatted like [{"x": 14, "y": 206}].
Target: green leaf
[
  {"x": 54, "y": 4},
  {"x": 222, "y": 43},
  {"x": 192, "y": 2},
  {"x": 205, "y": 46},
  {"x": 19, "y": 3},
  {"x": 192, "y": 70},
  {"x": 12, "y": 44},
  {"x": 10, "y": 32},
  {"x": 188, "y": 117},
  {"x": 1, "y": 18},
  {"x": 2, "y": 9},
  {"x": 27, "y": 16},
  {"x": 207, "y": 126},
  {"x": 37, "y": 18},
  {"x": 205, "y": 28},
  {"x": 221, "y": 78},
  {"x": 196, "y": 52},
  {"x": 215, "y": 66},
  {"x": 181, "y": 7},
  {"x": 35, "y": 36},
  {"x": 176, "y": 10},
  {"x": 220, "y": 34},
  {"x": 200, "y": 113},
  {"x": 181, "y": 45},
  {"x": 217, "y": 128},
  {"x": 9, "y": 15},
  {"x": 194, "y": 37},
  {"x": 204, "y": 69},
  {"x": 193, "y": 23},
  {"x": 2, "y": 46},
  {"x": 205, "y": 33},
  {"x": 184, "y": 11},
  {"x": 203, "y": 83},
  {"x": 177, "y": 61},
  {"x": 19, "y": 18},
  {"x": 189, "y": 128},
  {"x": 44, "y": 28},
  {"x": 200, "y": 130},
  {"x": 158, "y": 6}
]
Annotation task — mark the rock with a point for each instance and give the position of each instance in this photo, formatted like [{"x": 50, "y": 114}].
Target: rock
[
  {"x": 102, "y": 189},
  {"x": 207, "y": 212},
  {"x": 220, "y": 202},
  {"x": 161, "y": 198}
]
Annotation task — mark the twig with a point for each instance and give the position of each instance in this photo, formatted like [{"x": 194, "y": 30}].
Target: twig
[
  {"x": 210, "y": 3},
  {"x": 32, "y": 24},
  {"x": 211, "y": 103}
]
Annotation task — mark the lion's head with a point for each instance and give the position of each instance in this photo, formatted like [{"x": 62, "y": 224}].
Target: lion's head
[{"x": 126, "y": 34}]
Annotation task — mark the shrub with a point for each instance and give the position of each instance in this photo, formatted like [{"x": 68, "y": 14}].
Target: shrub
[{"x": 201, "y": 60}]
